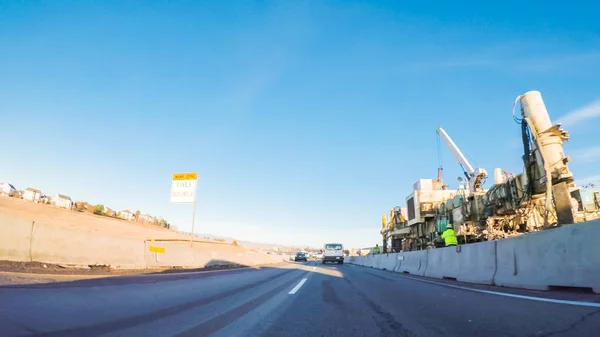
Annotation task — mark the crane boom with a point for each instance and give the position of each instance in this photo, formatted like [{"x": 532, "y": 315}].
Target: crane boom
[
  {"x": 475, "y": 177},
  {"x": 458, "y": 156}
]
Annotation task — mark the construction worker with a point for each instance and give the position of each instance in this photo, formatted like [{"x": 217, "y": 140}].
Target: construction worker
[
  {"x": 376, "y": 249},
  {"x": 449, "y": 236}
]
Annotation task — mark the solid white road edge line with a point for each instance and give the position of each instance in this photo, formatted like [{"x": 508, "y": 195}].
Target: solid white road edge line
[
  {"x": 533, "y": 298},
  {"x": 297, "y": 287}
]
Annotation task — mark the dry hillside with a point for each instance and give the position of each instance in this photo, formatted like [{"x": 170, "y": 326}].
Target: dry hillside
[{"x": 101, "y": 225}]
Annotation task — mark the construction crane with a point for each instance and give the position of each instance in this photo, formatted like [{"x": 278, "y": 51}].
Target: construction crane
[
  {"x": 543, "y": 196},
  {"x": 475, "y": 177}
]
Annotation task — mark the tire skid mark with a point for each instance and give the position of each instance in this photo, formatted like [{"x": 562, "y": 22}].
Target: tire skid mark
[
  {"x": 329, "y": 294},
  {"x": 117, "y": 280},
  {"x": 217, "y": 323},
  {"x": 121, "y": 324},
  {"x": 386, "y": 322}
]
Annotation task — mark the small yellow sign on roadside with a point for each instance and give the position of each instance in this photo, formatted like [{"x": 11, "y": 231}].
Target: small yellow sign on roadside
[
  {"x": 186, "y": 176},
  {"x": 154, "y": 249}
]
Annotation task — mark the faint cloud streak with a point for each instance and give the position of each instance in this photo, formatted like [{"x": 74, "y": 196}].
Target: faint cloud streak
[
  {"x": 582, "y": 114},
  {"x": 591, "y": 154},
  {"x": 504, "y": 58},
  {"x": 587, "y": 180},
  {"x": 556, "y": 62},
  {"x": 262, "y": 77}
]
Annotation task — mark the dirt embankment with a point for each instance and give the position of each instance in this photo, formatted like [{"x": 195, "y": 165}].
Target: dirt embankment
[
  {"x": 101, "y": 225},
  {"x": 15, "y": 273},
  {"x": 34, "y": 272},
  {"x": 55, "y": 269}
]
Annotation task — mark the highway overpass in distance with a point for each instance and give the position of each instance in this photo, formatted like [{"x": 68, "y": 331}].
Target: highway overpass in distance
[{"x": 291, "y": 299}]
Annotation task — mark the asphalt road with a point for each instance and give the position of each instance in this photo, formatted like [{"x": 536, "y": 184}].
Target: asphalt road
[{"x": 294, "y": 299}]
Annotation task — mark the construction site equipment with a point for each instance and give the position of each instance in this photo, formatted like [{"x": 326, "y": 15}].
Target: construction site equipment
[
  {"x": 391, "y": 229},
  {"x": 543, "y": 196},
  {"x": 475, "y": 177}
]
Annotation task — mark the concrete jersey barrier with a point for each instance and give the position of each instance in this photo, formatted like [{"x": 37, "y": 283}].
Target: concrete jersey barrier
[
  {"x": 568, "y": 256},
  {"x": 59, "y": 245},
  {"x": 442, "y": 263},
  {"x": 24, "y": 240},
  {"x": 183, "y": 255},
  {"x": 477, "y": 262},
  {"x": 473, "y": 263},
  {"x": 388, "y": 262},
  {"x": 15, "y": 238},
  {"x": 413, "y": 263}
]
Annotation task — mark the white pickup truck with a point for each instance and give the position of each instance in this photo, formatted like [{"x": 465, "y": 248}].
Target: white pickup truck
[{"x": 333, "y": 252}]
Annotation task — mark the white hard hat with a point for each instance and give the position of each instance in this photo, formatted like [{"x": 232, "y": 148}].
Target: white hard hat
[{"x": 449, "y": 226}]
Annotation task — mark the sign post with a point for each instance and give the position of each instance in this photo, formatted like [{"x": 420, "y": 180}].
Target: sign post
[{"x": 183, "y": 191}]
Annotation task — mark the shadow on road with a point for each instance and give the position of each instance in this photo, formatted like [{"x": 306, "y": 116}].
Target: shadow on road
[{"x": 148, "y": 276}]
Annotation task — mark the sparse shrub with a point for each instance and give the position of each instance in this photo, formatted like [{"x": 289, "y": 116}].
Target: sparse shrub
[{"x": 99, "y": 209}]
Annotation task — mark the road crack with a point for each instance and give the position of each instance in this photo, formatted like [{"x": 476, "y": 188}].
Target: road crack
[
  {"x": 572, "y": 326},
  {"x": 387, "y": 323},
  {"x": 30, "y": 330}
]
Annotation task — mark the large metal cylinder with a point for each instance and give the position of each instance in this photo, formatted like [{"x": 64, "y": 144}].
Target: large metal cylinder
[
  {"x": 498, "y": 179},
  {"x": 534, "y": 108},
  {"x": 550, "y": 144},
  {"x": 549, "y": 139}
]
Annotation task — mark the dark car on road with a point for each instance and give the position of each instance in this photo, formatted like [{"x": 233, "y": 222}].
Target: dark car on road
[{"x": 300, "y": 256}]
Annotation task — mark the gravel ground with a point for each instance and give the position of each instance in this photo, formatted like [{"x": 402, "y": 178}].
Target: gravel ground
[
  {"x": 9, "y": 279},
  {"x": 48, "y": 268}
]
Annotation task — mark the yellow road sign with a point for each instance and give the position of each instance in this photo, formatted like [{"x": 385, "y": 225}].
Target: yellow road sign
[
  {"x": 186, "y": 176},
  {"x": 183, "y": 188},
  {"x": 154, "y": 249}
]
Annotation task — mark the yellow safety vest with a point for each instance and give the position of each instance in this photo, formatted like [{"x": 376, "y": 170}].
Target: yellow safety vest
[
  {"x": 376, "y": 250},
  {"x": 449, "y": 237}
]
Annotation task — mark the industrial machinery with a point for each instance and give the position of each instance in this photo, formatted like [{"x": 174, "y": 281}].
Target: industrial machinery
[
  {"x": 475, "y": 177},
  {"x": 393, "y": 229},
  {"x": 542, "y": 197}
]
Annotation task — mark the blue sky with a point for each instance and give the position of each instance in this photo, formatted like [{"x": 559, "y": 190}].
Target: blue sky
[{"x": 306, "y": 120}]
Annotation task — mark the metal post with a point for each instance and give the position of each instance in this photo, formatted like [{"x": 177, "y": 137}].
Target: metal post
[{"x": 193, "y": 220}]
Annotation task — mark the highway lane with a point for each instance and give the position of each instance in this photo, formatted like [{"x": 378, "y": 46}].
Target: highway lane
[{"x": 293, "y": 299}]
